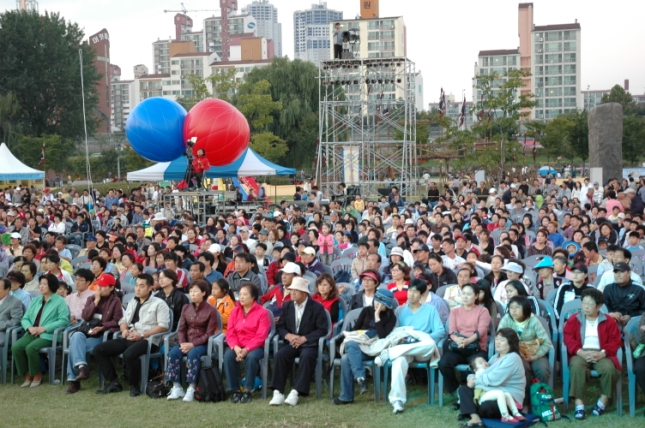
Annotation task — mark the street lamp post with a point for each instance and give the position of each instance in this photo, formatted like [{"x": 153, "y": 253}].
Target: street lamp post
[{"x": 119, "y": 148}]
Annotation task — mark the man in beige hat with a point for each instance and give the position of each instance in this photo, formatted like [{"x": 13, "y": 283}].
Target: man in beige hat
[{"x": 302, "y": 324}]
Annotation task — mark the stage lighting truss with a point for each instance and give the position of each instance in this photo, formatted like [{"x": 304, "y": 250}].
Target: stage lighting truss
[{"x": 367, "y": 125}]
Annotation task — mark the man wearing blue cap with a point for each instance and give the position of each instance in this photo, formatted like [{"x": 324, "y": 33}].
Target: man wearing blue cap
[{"x": 90, "y": 244}]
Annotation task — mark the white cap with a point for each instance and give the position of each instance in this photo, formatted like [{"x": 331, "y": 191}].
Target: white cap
[
  {"x": 310, "y": 251},
  {"x": 291, "y": 268},
  {"x": 159, "y": 217},
  {"x": 409, "y": 221},
  {"x": 492, "y": 190},
  {"x": 215, "y": 248},
  {"x": 513, "y": 267},
  {"x": 397, "y": 251},
  {"x": 16, "y": 235}
]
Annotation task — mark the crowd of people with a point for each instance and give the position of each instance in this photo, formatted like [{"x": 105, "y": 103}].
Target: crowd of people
[{"x": 439, "y": 281}]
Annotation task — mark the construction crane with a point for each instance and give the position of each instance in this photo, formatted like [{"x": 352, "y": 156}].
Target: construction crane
[
  {"x": 226, "y": 7},
  {"x": 185, "y": 11}
]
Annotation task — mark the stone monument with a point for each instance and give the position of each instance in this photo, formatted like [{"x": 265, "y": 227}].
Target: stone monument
[{"x": 606, "y": 140}]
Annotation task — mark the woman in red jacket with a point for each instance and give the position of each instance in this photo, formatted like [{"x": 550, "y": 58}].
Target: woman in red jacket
[
  {"x": 248, "y": 328},
  {"x": 592, "y": 340},
  {"x": 327, "y": 295},
  {"x": 197, "y": 323}
]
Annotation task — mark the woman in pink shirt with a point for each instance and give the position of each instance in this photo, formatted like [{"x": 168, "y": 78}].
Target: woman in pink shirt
[
  {"x": 248, "y": 328},
  {"x": 613, "y": 202}
]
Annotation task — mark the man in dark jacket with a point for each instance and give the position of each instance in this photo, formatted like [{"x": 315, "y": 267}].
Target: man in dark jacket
[
  {"x": 624, "y": 299},
  {"x": 302, "y": 324}
]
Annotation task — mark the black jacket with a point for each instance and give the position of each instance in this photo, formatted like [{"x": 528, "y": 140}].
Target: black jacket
[
  {"x": 447, "y": 277},
  {"x": 313, "y": 324},
  {"x": 628, "y": 299},
  {"x": 365, "y": 321},
  {"x": 176, "y": 302}
]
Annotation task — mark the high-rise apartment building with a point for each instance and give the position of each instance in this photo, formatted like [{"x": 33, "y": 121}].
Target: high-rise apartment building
[
  {"x": 100, "y": 42},
  {"x": 123, "y": 101},
  {"x": 377, "y": 37},
  {"x": 183, "y": 25},
  {"x": 140, "y": 70},
  {"x": 311, "y": 32},
  {"x": 266, "y": 16},
  {"x": 552, "y": 53},
  {"x": 240, "y": 24}
]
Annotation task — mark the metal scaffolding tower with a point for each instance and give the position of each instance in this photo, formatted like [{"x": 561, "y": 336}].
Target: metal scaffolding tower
[{"x": 367, "y": 126}]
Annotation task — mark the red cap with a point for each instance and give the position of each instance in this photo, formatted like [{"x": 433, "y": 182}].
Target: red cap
[
  {"x": 106, "y": 280},
  {"x": 369, "y": 275}
]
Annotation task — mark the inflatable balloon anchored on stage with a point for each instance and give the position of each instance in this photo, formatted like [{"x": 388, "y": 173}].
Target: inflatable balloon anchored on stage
[
  {"x": 221, "y": 130},
  {"x": 155, "y": 129}
]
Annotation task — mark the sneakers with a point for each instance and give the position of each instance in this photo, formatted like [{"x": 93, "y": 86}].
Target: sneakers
[
  {"x": 190, "y": 394},
  {"x": 236, "y": 396},
  {"x": 397, "y": 407},
  {"x": 362, "y": 386},
  {"x": 176, "y": 393},
  {"x": 278, "y": 399},
  {"x": 383, "y": 358},
  {"x": 246, "y": 397},
  {"x": 292, "y": 398}
]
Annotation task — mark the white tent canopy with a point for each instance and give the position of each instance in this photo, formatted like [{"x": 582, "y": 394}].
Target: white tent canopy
[
  {"x": 12, "y": 169},
  {"x": 152, "y": 173}
]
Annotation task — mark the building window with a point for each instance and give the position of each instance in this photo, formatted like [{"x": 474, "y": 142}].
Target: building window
[
  {"x": 553, "y": 47},
  {"x": 553, "y": 58},
  {"x": 569, "y": 80},
  {"x": 569, "y": 57},
  {"x": 570, "y": 69},
  {"x": 570, "y": 90}
]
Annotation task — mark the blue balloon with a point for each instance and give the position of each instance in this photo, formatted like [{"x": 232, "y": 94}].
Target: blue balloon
[{"x": 155, "y": 129}]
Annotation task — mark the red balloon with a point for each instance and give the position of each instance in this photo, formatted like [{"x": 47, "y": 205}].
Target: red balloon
[{"x": 221, "y": 130}]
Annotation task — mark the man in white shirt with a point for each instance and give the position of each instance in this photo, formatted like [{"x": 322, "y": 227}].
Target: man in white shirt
[
  {"x": 450, "y": 258},
  {"x": 76, "y": 301}
]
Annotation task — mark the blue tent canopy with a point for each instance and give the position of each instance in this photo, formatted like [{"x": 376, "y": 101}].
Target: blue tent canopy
[{"x": 250, "y": 164}]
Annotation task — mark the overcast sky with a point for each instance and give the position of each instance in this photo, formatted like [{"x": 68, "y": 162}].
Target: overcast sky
[{"x": 444, "y": 37}]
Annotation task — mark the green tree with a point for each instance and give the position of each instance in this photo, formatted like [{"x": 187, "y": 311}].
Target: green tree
[
  {"x": 269, "y": 146},
  {"x": 132, "y": 161},
  {"x": 40, "y": 65},
  {"x": 490, "y": 144},
  {"x": 618, "y": 95},
  {"x": 220, "y": 85},
  {"x": 295, "y": 85},
  {"x": 8, "y": 110},
  {"x": 29, "y": 150},
  {"x": 633, "y": 138}
]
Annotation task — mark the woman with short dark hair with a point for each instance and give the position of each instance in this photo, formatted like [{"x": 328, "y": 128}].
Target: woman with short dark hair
[
  {"x": 592, "y": 340},
  {"x": 46, "y": 313},
  {"x": 505, "y": 373},
  {"x": 248, "y": 328},
  {"x": 197, "y": 323}
]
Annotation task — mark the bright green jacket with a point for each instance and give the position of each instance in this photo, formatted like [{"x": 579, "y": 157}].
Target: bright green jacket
[{"x": 55, "y": 315}]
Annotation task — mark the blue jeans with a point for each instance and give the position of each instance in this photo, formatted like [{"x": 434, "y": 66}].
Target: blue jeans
[
  {"x": 193, "y": 363},
  {"x": 232, "y": 369},
  {"x": 75, "y": 238},
  {"x": 351, "y": 367},
  {"x": 79, "y": 346}
]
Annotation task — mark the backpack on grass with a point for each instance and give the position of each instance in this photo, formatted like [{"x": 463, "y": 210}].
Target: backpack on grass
[
  {"x": 210, "y": 386},
  {"x": 531, "y": 420},
  {"x": 543, "y": 402}
]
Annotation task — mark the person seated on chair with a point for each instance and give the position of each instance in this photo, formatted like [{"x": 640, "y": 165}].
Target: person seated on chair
[
  {"x": 312, "y": 264},
  {"x": 535, "y": 342},
  {"x": 11, "y": 309},
  {"x": 370, "y": 279},
  {"x": 592, "y": 340},
  {"x": 423, "y": 319},
  {"x": 376, "y": 319},
  {"x": 145, "y": 316},
  {"x": 77, "y": 300},
  {"x": 249, "y": 327},
  {"x": 624, "y": 299},
  {"x": 46, "y": 313},
  {"x": 302, "y": 324},
  {"x": 505, "y": 373},
  {"x": 452, "y": 294},
  {"x": 572, "y": 290},
  {"x": 468, "y": 325},
  {"x": 101, "y": 312},
  {"x": 639, "y": 355},
  {"x": 50, "y": 263},
  {"x": 198, "y": 321},
  {"x": 327, "y": 295},
  {"x": 172, "y": 294},
  {"x": 17, "y": 281},
  {"x": 222, "y": 299}
]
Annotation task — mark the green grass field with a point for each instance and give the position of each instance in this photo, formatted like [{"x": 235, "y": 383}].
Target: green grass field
[{"x": 49, "y": 406}]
